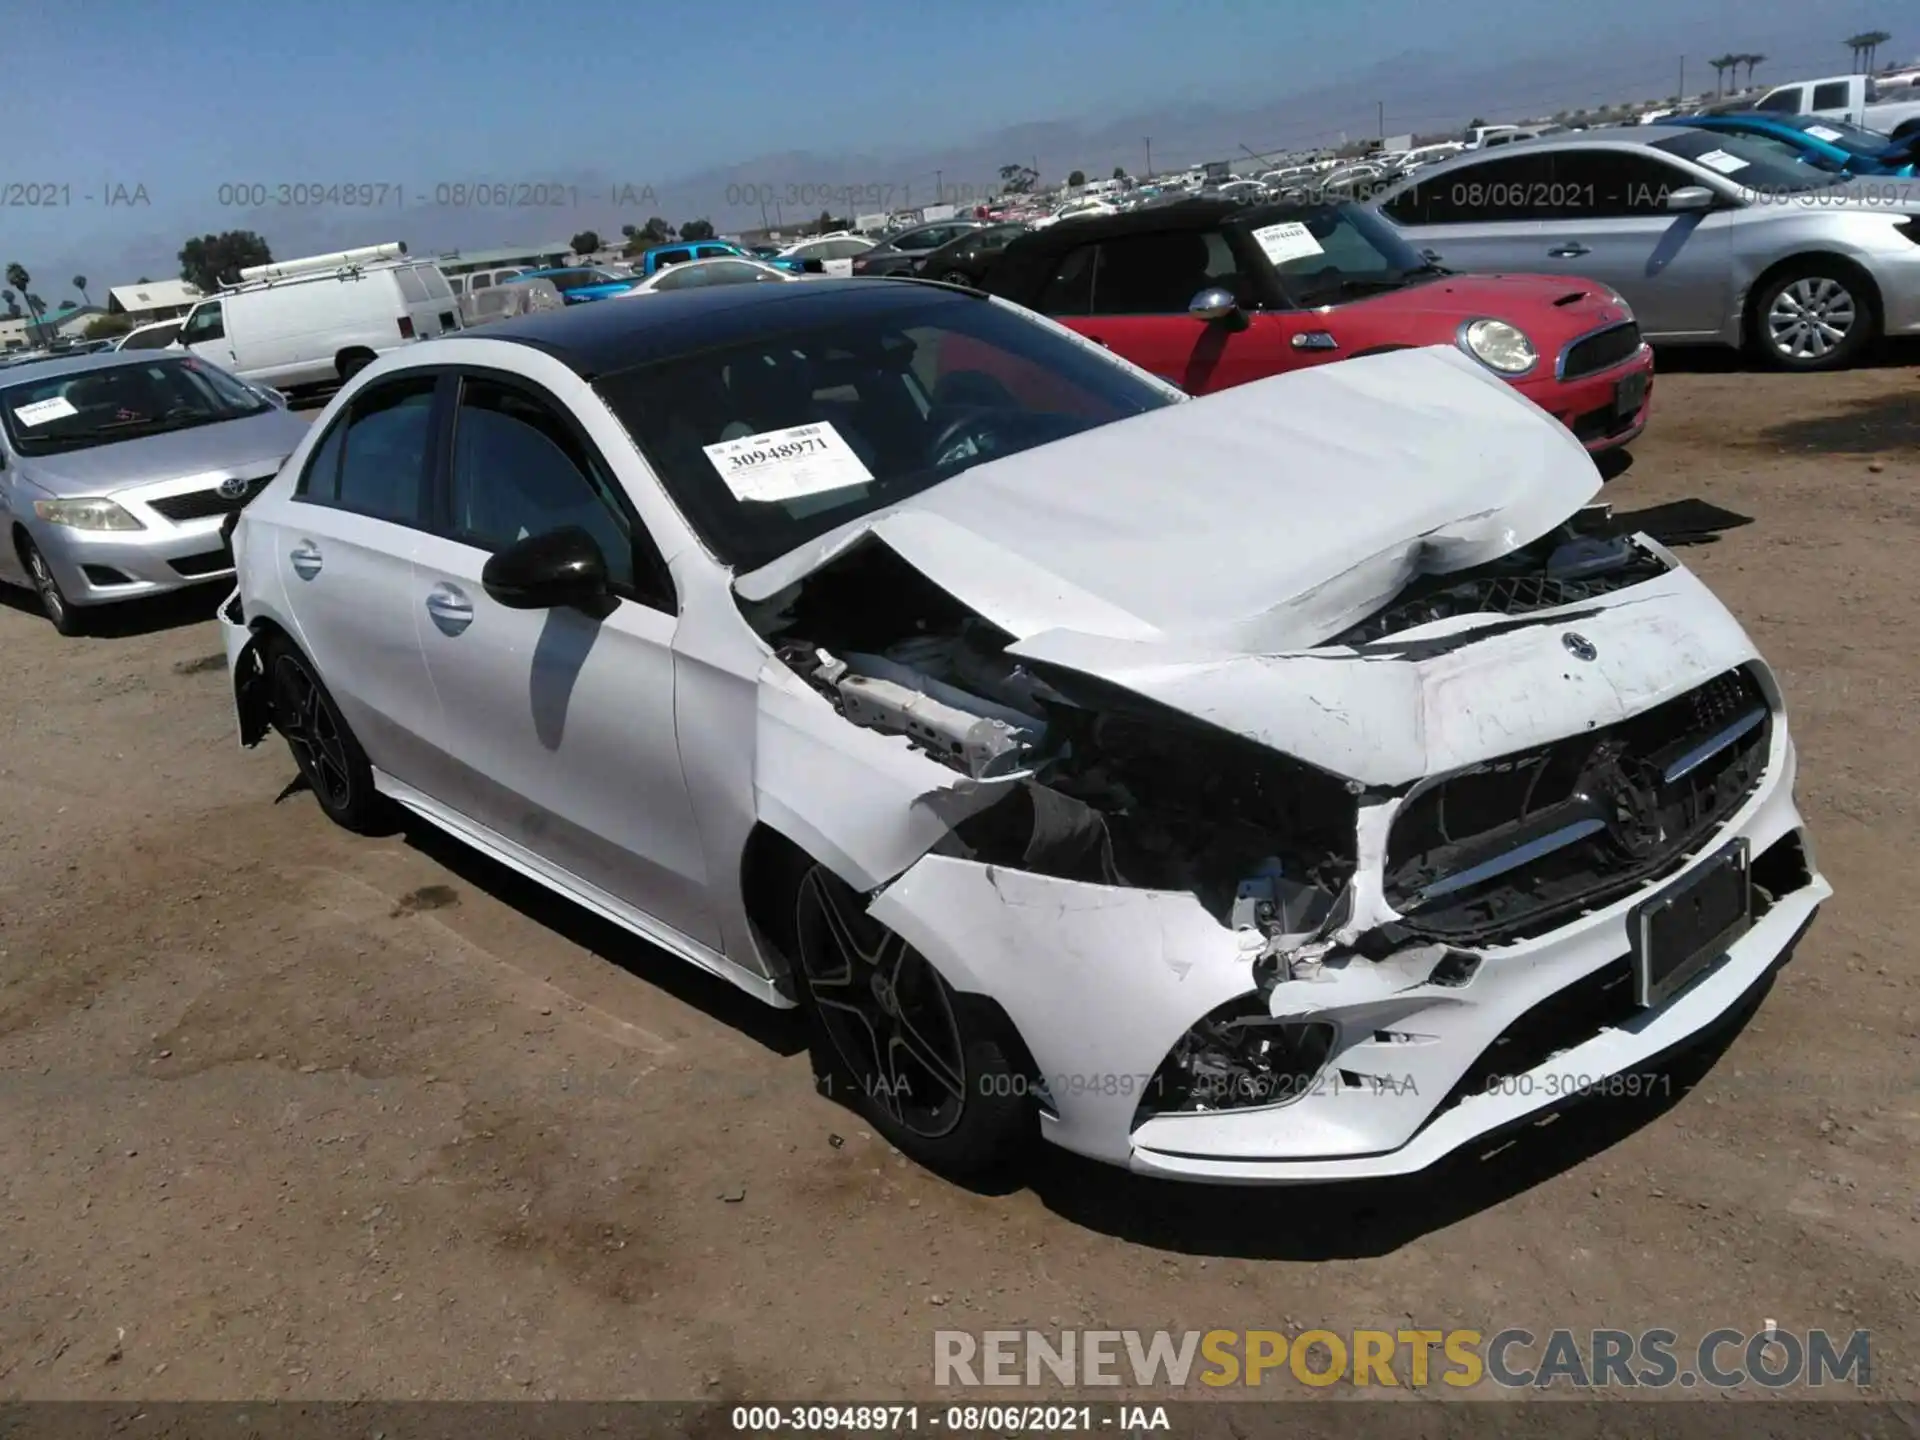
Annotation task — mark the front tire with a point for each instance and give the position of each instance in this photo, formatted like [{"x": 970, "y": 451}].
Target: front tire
[
  {"x": 1813, "y": 315},
  {"x": 928, "y": 1067},
  {"x": 330, "y": 758},
  {"x": 60, "y": 611}
]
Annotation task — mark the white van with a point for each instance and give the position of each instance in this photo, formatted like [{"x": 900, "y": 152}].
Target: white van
[{"x": 302, "y": 323}]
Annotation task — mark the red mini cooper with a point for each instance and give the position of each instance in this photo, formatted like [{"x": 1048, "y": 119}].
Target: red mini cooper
[{"x": 1208, "y": 294}]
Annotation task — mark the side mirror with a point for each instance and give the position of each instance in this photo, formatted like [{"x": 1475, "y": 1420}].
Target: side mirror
[
  {"x": 1691, "y": 197},
  {"x": 1213, "y": 304},
  {"x": 556, "y": 570}
]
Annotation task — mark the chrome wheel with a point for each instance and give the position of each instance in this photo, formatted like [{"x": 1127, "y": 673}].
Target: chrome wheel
[
  {"x": 887, "y": 1012},
  {"x": 1810, "y": 318},
  {"x": 48, "y": 589},
  {"x": 302, "y": 713}
]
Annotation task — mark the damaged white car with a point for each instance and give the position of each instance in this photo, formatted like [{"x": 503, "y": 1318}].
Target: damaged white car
[{"x": 1293, "y": 784}]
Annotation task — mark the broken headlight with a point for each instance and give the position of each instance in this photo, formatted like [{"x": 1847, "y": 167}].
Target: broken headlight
[{"x": 1239, "y": 1058}]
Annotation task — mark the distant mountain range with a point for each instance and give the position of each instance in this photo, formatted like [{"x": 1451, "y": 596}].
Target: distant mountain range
[{"x": 1420, "y": 92}]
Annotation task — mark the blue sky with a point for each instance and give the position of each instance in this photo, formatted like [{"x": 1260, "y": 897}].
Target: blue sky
[{"x": 180, "y": 97}]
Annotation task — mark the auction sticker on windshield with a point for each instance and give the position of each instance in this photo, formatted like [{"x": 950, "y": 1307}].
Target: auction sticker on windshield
[
  {"x": 784, "y": 464},
  {"x": 1720, "y": 160},
  {"x": 41, "y": 411},
  {"x": 1821, "y": 132},
  {"x": 1289, "y": 240}
]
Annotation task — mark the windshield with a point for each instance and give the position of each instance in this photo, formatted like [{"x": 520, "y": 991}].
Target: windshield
[
  {"x": 79, "y": 410},
  {"x": 1854, "y": 139},
  {"x": 1324, "y": 254},
  {"x": 579, "y": 279},
  {"x": 767, "y": 443},
  {"x": 1772, "y": 167}
]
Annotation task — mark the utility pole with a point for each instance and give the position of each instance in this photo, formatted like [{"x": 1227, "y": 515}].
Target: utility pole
[
  {"x": 939, "y": 189},
  {"x": 1383, "y": 118},
  {"x": 1681, "y": 93},
  {"x": 1147, "y": 140}
]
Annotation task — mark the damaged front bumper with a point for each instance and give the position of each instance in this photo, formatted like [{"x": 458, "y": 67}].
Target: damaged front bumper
[{"x": 1102, "y": 982}]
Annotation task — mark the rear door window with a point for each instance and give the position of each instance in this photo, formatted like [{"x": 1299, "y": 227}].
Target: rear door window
[{"x": 1834, "y": 95}]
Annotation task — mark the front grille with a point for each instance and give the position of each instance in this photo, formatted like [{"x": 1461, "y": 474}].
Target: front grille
[
  {"x": 1604, "y": 999},
  {"x": 1599, "y": 352},
  {"x": 1494, "y": 594},
  {"x": 1519, "y": 845},
  {"x": 199, "y": 504},
  {"x": 213, "y": 562}
]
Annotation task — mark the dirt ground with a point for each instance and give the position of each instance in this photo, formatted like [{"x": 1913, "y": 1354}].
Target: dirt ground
[{"x": 289, "y": 1113}]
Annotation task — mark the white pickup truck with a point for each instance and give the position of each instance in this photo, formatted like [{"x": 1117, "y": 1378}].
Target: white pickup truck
[{"x": 1846, "y": 97}]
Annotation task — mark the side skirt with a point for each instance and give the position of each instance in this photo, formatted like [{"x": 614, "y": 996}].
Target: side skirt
[{"x": 570, "y": 887}]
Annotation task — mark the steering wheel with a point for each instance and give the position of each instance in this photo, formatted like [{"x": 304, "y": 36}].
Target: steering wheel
[{"x": 940, "y": 451}]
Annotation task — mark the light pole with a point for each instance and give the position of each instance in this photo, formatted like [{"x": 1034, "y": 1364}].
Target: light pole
[
  {"x": 1147, "y": 140},
  {"x": 939, "y": 188}
]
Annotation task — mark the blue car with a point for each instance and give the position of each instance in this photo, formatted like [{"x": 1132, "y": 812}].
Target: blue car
[
  {"x": 580, "y": 284},
  {"x": 1834, "y": 145},
  {"x": 650, "y": 262}
]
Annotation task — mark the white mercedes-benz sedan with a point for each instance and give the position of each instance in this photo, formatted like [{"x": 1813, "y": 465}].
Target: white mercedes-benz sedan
[{"x": 1298, "y": 783}]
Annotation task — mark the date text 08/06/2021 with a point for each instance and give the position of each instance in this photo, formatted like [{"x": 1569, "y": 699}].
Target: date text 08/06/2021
[{"x": 998, "y": 1420}]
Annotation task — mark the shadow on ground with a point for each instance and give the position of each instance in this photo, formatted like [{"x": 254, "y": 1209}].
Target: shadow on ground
[
  {"x": 777, "y": 1030},
  {"x": 1869, "y": 426},
  {"x": 130, "y": 618},
  {"x": 1724, "y": 360}
]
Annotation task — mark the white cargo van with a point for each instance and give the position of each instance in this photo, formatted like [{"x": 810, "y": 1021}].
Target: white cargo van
[{"x": 303, "y": 323}]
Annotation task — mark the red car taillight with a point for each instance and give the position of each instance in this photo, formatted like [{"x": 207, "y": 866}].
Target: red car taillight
[{"x": 406, "y": 327}]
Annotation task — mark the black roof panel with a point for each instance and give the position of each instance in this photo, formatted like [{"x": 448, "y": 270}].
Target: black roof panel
[{"x": 604, "y": 336}]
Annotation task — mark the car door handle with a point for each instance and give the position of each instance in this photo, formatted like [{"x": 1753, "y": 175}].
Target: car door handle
[
  {"x": 452, "y": 612},
  {"x": 305, "y": 558},
  {"x": 1569, "y": 250}
]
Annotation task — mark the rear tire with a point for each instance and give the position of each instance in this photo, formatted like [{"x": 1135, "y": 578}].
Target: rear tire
[
  {"x": 65, "y": 617},
  {"x": 958, "y": 277},
  {"x": 929, "y": 1068},
  {"x": 323, "y": 746},
  {"x": 1810, "y": 315}
]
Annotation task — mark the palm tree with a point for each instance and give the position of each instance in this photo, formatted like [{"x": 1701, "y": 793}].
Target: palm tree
[
  {"x": 1864, "y": 45},
  {"x": 11, "y": 301},
  {"x": 1752, "y": 60},
  {"x": 18, "y": 278},
  {"x": 1721, "y": 64},
  {"x": 80, "y": 284}
]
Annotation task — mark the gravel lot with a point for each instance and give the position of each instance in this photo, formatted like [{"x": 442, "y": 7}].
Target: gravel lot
[{"x": 293, "y": 1114}]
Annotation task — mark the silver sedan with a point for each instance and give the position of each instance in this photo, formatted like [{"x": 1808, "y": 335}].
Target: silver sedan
[
  {"x": 117, "y": 471},
  {"x": 1712, "y": 238}
]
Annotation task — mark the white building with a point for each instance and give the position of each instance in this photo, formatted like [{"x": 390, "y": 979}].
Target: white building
[
  {"x": 152, "y": 300},
  {"x": 19, "y": 332}
]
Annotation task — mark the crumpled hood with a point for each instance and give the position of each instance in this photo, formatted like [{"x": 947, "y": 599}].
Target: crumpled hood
[
  {"x": 249, "y": 446},
  {"x": 1260, "y": 519}
]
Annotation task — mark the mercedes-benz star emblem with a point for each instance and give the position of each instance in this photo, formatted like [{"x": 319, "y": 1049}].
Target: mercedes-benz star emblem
[
  {"x": 1579, "y": 646},
  {"x": 233, "y": 488}
]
